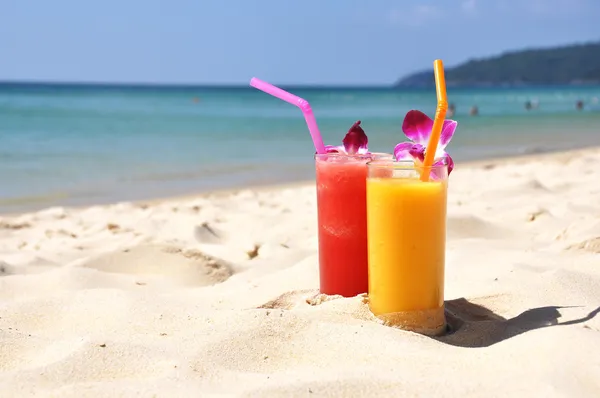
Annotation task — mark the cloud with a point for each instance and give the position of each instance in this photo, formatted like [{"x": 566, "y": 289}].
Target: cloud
[{"x": 419, "y": 15}]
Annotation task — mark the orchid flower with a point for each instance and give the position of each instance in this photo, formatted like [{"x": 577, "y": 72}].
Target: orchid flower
[
  {"x": 417, "y": 128},
  {"x": 354, "y": 143}
]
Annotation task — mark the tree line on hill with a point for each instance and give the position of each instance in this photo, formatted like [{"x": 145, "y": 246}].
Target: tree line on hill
[{"x": 573, "y": 64}]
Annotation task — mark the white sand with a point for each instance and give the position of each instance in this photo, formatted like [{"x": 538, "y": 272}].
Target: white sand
[{"x": 163, "y": 299}]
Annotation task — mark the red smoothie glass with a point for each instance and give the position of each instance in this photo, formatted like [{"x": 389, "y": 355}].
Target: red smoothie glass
[{"x": 342, "y": 219}]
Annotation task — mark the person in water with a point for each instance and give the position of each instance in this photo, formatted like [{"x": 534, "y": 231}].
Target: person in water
[
  {"x": 474, "y": 111},
  {"x": 451, "y": 110}
]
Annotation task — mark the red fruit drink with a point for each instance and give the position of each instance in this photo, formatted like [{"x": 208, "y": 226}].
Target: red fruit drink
[{"x": 342, "y": 215}]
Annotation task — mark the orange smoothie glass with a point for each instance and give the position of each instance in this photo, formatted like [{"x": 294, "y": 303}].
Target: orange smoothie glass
[{"x": 406, "y": 224}]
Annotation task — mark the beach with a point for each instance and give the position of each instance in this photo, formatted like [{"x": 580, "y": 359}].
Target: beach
[{"x": 217, "y": 295}]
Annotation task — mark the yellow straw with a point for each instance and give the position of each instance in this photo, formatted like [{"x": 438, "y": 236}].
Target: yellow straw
[{"x": 438, "y": 122}]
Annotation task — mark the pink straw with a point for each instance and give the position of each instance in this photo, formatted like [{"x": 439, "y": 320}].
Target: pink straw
[{"x": 300, "y": 103}]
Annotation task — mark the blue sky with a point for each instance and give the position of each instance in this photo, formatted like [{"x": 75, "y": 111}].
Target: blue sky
[{"x": 282, "y": 41}]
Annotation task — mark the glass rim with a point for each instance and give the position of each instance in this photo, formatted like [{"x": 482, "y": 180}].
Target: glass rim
[
  {"x": 354, "y": 155},
  {"x": 402, "y": 165}
]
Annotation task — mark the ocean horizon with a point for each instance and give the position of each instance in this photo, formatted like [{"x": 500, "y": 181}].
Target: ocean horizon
[
  {"x": 84, "y": 85},
  {"x": 87, "y": 143}
]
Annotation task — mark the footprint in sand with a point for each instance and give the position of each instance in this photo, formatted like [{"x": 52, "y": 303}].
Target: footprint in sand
[
  {"x": 464, "y": 227},
  {"x": 72, "y": 361},
  {"x": 36, "y": 266},
  {"x": 5, "y": 269},
  {"x": 590, "y": 245},
  {"x": 53, "y": 353},
  {"x": 207, "y": 233},
  {"x": 187, "y": 268},
  {"x": 292, "y": 299},
  {"x": 14, "y": 226},
  {"x": 532, "y": 186}
]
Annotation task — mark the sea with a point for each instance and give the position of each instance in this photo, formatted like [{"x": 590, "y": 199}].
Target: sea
[{"x": 76, "y": 144}]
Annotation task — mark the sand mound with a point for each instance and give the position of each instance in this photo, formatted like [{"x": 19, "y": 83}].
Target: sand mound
[{"x": 188, "y": 268}]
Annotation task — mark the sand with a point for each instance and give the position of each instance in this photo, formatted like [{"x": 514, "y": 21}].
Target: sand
[{"x": 216, "y": 296}]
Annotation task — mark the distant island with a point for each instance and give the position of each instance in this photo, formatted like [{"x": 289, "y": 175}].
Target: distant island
[{"x": 574, "y": 64}]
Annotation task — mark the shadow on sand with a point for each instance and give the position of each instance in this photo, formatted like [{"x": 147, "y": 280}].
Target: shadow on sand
[{"x": 472, "y": 325}]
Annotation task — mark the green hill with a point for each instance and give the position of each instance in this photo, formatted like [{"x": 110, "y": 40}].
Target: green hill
[{"x": 574, "y": 64}]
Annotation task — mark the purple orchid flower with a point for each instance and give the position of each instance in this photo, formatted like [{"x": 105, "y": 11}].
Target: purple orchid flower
[
  {"x": 417, "y": 128},
  {"x": 354, "y": 143}
]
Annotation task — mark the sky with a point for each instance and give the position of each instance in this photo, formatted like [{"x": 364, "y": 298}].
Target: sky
[{"x": 317, "y": 42}]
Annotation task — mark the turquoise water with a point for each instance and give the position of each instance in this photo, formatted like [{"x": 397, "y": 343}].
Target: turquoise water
[{"x": 72, "y": 145}]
